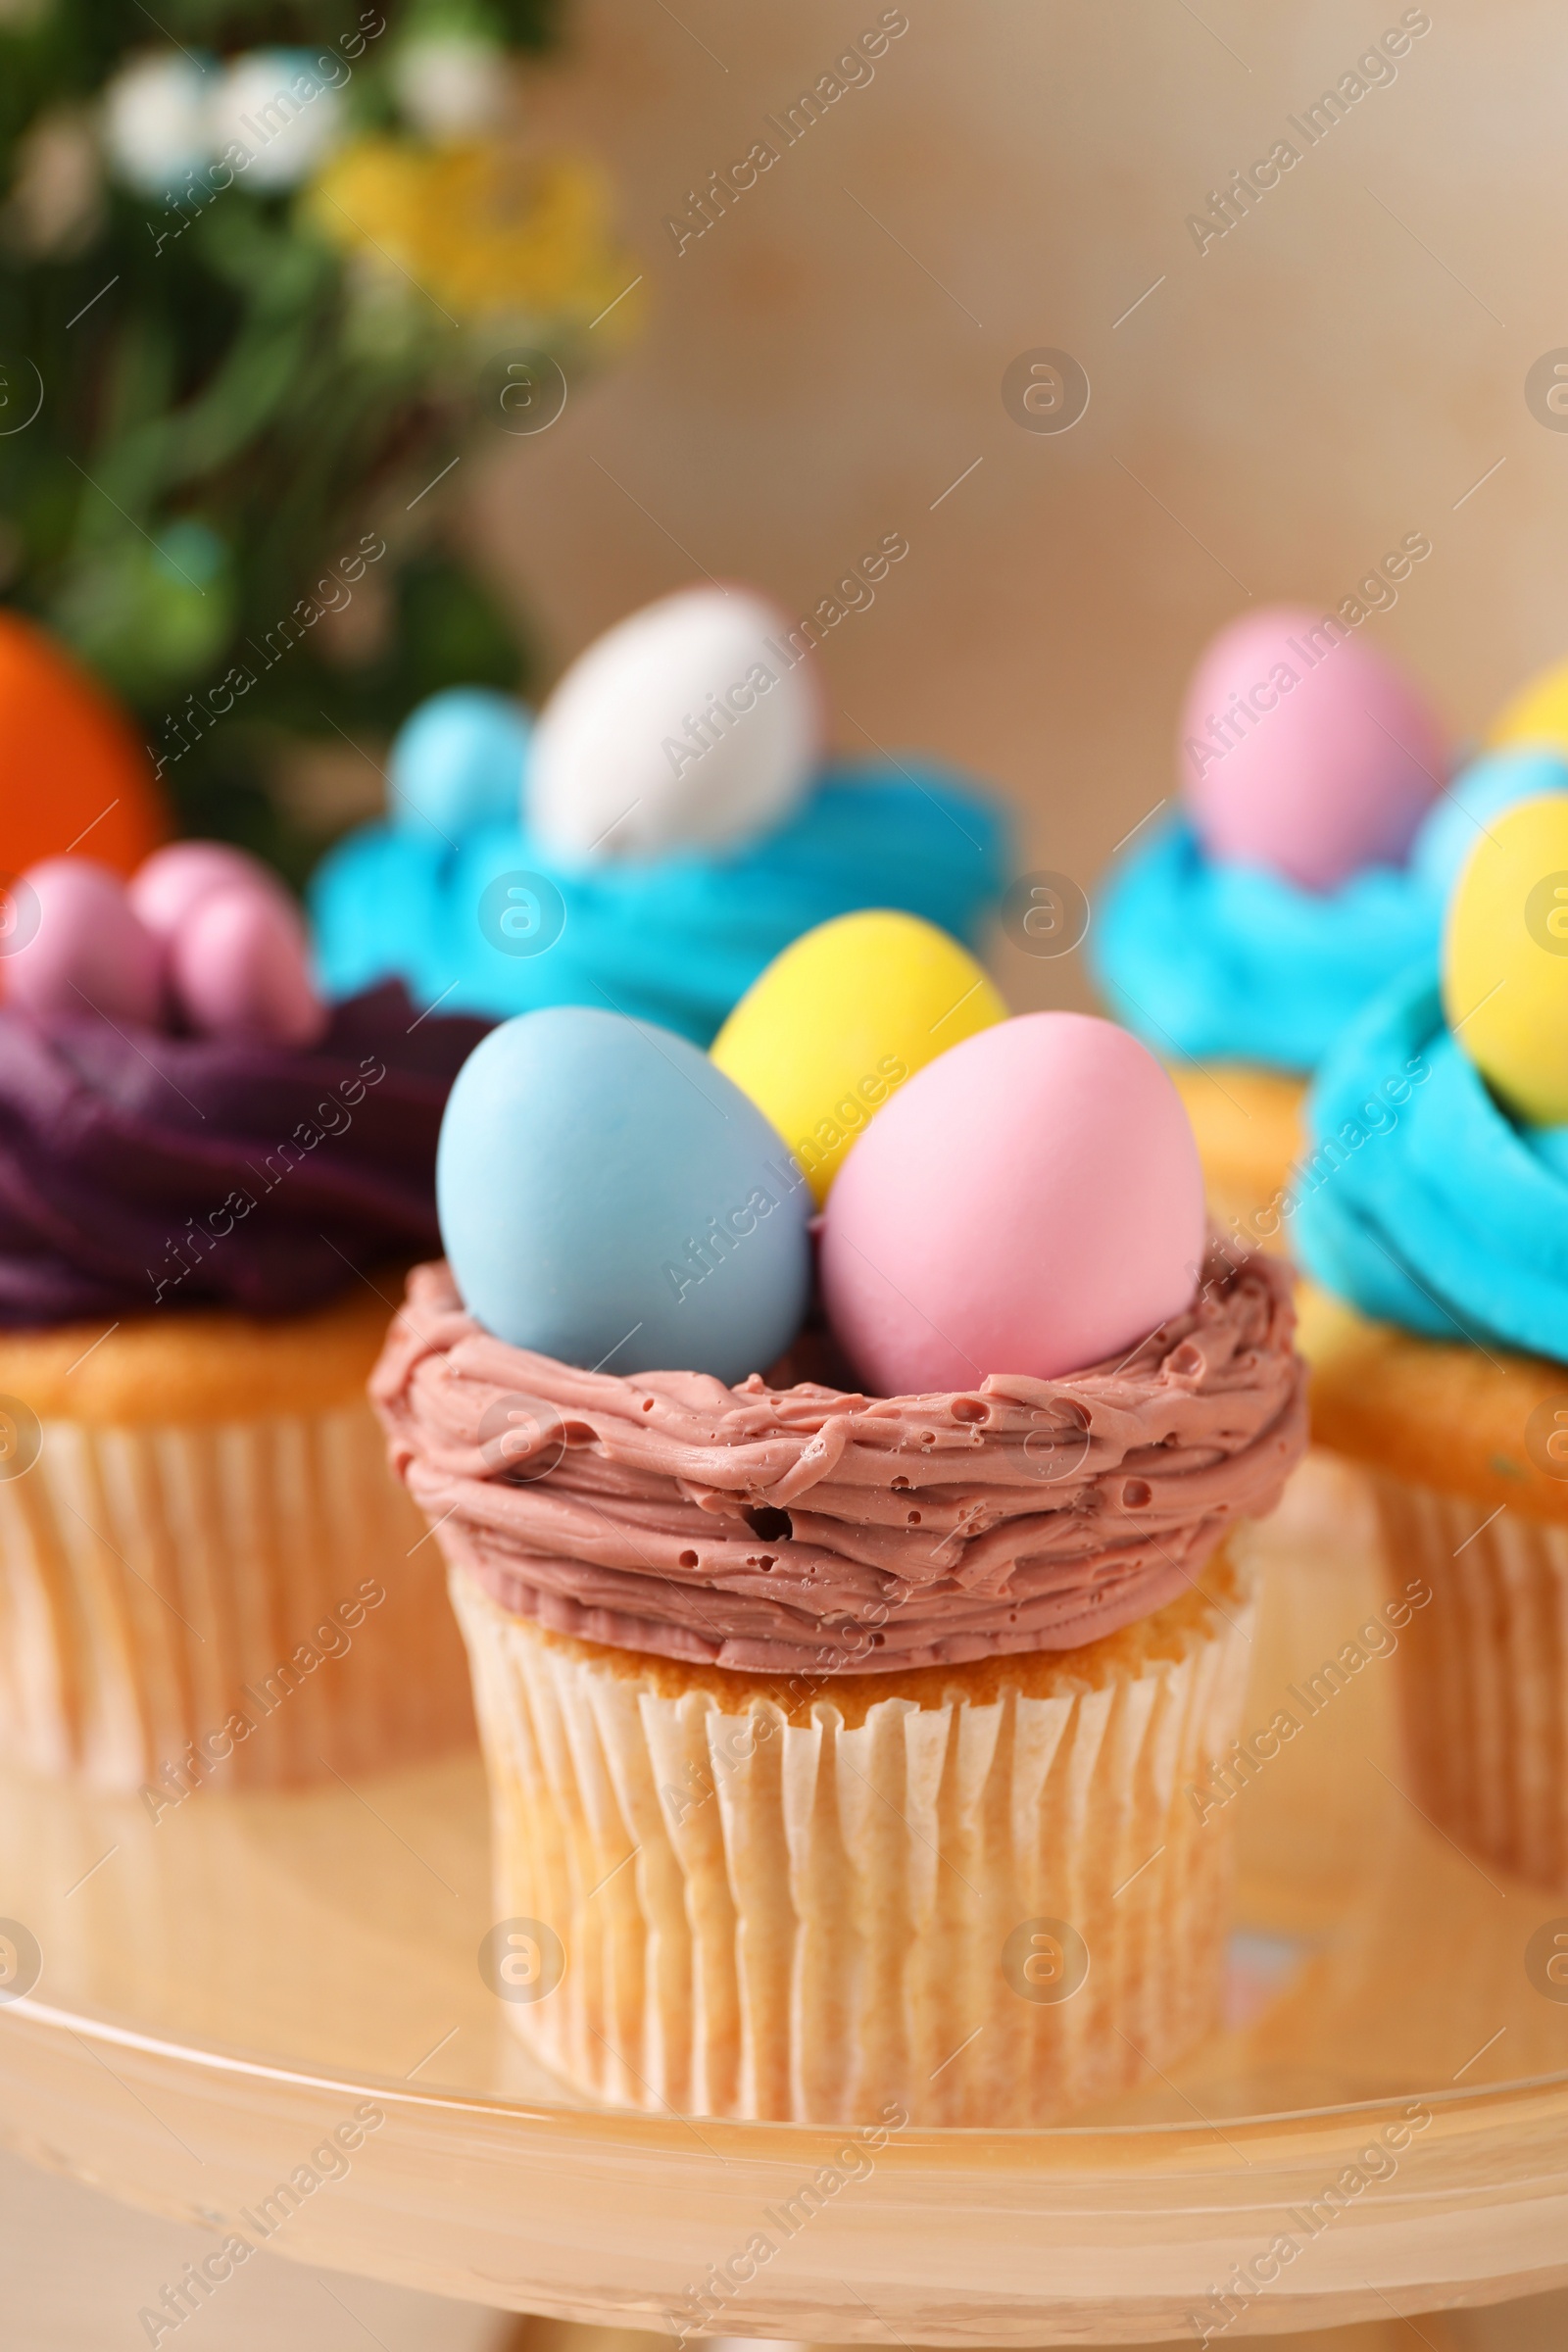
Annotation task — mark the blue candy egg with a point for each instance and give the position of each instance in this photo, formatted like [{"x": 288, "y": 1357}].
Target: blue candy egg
[
  {"x": 458, "y": 761},
  {"x": 609, "y": 1197},
  {"x": 1479, "y": 793}
]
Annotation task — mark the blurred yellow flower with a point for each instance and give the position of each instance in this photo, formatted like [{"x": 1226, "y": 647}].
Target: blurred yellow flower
[{"x": 487, "y": 231}]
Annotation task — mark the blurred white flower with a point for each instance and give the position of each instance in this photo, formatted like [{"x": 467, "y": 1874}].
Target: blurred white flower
[
  {"x": 451, "y": 84},
  {"x": 155, "y": 120},
  {"x": 279, "y": 106}
]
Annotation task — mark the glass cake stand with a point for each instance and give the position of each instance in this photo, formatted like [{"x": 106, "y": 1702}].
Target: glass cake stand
[{"x": 222, "y": 1990}]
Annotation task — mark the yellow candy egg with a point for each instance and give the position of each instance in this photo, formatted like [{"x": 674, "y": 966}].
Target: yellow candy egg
[
  {"x": 841, "y": 1019},
  {"x": 1537, "y": 714},
  {"x": 1505, "y": 959}
]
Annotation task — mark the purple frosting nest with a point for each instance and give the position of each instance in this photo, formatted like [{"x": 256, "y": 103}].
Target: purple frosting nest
[{"x": 139, "y": 1170}]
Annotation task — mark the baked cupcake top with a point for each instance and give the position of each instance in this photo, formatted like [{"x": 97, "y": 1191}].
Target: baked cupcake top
[
  {"x": 807, "y": 1528},
  {"x": 1434, "y": 1194},
  {"x": 1294, "y": 882},
  {"x": 665, "y": 829},
  {"x": 182, "y": 1122}
]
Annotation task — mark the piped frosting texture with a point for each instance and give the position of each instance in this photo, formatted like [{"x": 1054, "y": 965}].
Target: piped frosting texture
[
  {"x": 1222, "y": 962},
  {"x": 809, "y": 1529},
  {"x": 140, "y": 1170}
]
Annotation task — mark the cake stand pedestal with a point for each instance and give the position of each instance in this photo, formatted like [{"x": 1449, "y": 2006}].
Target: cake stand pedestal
[{"x": 222, "y": 1990}]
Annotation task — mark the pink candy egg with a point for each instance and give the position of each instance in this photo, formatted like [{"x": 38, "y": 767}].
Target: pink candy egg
[
  {"x": 166, "y": 885},
  {"x": 1303, "y": 751},
  {"x": 1030, "y": 1201},
  {"x": 87, "y": 953},
  {"x": 240, "y": 968}
]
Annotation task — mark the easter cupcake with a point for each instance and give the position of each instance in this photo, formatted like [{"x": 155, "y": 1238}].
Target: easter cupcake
[
  {"x": 663, "y": 830},
  {"x": 845, "y": 1650},
  {"x": 208, "y": 1188},
  {"x": 1238, "y": 936},
  {"x": 1434, "y": 1212}
]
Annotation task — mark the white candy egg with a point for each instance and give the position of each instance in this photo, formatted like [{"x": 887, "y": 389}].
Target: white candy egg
[{"x": 691, "y": 724}]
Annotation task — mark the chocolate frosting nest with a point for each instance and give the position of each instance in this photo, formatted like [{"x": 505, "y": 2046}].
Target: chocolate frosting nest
[
  {"x": 805, "y": 1528},
  {"x": 139, "y": 1169}
]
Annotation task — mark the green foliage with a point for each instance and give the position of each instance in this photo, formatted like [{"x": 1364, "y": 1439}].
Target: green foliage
[{"x": 214, "y": 426}]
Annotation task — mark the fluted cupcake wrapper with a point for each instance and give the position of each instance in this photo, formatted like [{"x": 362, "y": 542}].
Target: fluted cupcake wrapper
[
  {"x": 992, "y": 1907},
  {"x": 164, "y": 1584},
  {"x": 1483, "y": 1673}
]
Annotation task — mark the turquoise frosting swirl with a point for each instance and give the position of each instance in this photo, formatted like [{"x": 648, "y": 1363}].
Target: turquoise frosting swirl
[
  {"x": 1423, "y": 1203},
  {"x": 675, "y": 941},
  {"x": 1215, "y": 963},
  {"x": 1212, "y": 962}
]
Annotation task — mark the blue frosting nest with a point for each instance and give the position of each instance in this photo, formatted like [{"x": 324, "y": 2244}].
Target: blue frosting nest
[
  {"x": 491, "y": 923},
  {"x": 1211, "y": 962},
  {"x": 1423, "y": 1201},
  {"x": 1214, "y": 962}
]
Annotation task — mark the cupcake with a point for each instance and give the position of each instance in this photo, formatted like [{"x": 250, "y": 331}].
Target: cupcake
[
  {"x": 209, "y": 1187},
  {"x": 663, "y": 830},
  {"x": 1433, "y": 1211},
  {"x": 1239, "y": 935},
  {"x": 848, "y": 1641}
]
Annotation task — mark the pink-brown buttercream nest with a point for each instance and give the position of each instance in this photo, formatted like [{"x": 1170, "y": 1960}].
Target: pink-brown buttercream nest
[{"x": 780, "y": 1529}]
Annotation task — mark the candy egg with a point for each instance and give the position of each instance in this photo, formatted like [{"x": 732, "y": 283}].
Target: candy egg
[
  {"x": 1505, "y": 960},
  {"x": 458, "y": 762},
  {"x": 834, "y": 1026},
  {"x": 81, "y": 950},
  {"x": 1031, "y": 1201},
  {"x": 1303, "y": 751},
  {"x": 691, "y": 724},
  {"x": 608, "y": 1198},
  {"x": 240, "y": 968},
  {"x": 1537, "y": 715},
  {"x": 71, "y": 769},
  {"x": 1475, "y": 797},
  {"x": 166, "y": 885}
]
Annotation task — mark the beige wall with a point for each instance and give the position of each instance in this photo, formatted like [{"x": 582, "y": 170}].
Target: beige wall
[{"x": 1271, "y": 419}]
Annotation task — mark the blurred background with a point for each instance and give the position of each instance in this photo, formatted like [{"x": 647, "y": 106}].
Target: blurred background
[
  {"x": 263, "y": 268},
  {"x": 789, "y": 370},
  {"x": 1267, "y": 417},
  {"x": 217, "y": 396}
]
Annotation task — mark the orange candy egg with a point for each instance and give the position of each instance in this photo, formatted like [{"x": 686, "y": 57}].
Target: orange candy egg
[{"x": 70, "y": 767}]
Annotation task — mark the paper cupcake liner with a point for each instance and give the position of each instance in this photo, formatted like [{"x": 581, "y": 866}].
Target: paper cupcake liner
[
  {"x": 195, "y": 1604},
  {"x": 1483, "y": 1674},
  {"x": 725, "y": 1912}
]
